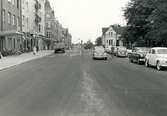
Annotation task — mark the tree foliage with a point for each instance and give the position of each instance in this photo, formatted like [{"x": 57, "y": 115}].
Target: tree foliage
[
  {"x": 98, "y": 41},
  {"x": 146, "y": 22},
  {"x": 88, "y": 45}
]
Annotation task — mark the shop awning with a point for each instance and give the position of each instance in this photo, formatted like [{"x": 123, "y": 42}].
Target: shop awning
[{"x": 5, "y": 33}]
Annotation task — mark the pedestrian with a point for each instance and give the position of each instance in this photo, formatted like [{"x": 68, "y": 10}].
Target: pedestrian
[{"x": 34, "y": 50}]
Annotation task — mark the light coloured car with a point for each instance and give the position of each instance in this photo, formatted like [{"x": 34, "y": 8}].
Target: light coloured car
[
  {"x": 156, "y": 57},
  {"x": 108, "y": 49},
  {"x": 121, "y": 51},
  {"x": 129, "y": 51},
  {"x": 99, "y": 53}
]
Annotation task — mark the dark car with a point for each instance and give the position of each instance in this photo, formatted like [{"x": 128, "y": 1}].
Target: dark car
[{"x": 138, "y": 54}]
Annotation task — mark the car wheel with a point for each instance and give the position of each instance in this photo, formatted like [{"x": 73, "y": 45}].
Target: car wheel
[
  {"x": 158, "y": 66},
  {"x": 147, "y": 63}
]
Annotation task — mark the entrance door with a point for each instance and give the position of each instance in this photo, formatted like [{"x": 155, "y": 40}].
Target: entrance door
[{"x": 2, "y": 39}]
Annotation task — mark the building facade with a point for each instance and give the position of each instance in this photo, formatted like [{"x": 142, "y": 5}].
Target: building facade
[
  {"x": 10, "y": 25},
  {"x": 110, "y": 37},
  {"x": 33, "y": 23},
  {"x": 50, "y": 25},
  {"x": 67, "y": 38}
]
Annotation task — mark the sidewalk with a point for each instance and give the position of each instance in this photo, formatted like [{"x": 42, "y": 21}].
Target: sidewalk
[{"x": 7, "y": 62}]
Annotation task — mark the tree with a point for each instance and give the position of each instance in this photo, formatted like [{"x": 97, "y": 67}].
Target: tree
[
  {"x": 99, "y": 41},
  {"x": 146, "y": 22},
  {"x": 137, "y": 13},
  {"x": 88, "y": 45}
]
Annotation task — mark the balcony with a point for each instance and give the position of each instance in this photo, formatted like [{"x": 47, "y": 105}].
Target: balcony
[{"x": 37, "y": 5}]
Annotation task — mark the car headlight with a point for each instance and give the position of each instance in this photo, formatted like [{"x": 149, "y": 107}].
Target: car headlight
[{"x": 163, "y": 61}]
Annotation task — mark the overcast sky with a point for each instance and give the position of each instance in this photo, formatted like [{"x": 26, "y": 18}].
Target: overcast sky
[{"x": 85, "y": 18}]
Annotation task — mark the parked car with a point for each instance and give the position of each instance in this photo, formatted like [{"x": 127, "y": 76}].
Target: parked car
[
  {"x": 108, "y": 49},
  {"x": 99, "y": 53},
  {"x": 121, "y": 51},
  {"x": 157, "y": 57},
  {"x": 114, "y": 50},
  {"x": 138, "y": 54},
  {"x": 129, "y": 51}
]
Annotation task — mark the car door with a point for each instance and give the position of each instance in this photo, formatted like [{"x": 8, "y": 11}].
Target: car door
[
  {"x": 152, "y": 57},
  {"x": 154, "y": 62}
]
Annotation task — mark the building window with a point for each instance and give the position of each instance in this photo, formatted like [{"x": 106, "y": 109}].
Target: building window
[
  {"x": 9, "y": 18},
  {"x": 49, "y": 25},
  {"x": 18, "y": 24},
  {"x": 13, "y": 19},
  {"x": 39, "y": 28},
  {"x": 3, "y": 15},
  {"x": 18, "y": 3}
]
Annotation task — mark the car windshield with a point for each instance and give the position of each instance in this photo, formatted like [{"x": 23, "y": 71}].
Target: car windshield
[
  {"x": 122, "y": 48},
  {"x": 162, "y": 51},
  {"x": 99, "y": 48},
  {"x": 142, "y": 49}
]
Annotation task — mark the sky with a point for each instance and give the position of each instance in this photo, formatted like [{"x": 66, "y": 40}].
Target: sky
[{"x": 85, "y": 18}]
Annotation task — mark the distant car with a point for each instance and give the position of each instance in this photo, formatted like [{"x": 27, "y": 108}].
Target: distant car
[
  {"x": 157, "y": 57},
  {"x": 121, "y": 51},
  {"x": 138, "y": 54},
  {"x": 59, "y": 47},
  {"x": 99, "y": 53}
]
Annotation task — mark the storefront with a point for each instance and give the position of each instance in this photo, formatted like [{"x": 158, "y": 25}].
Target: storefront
[{"x": 11, "y": 41}]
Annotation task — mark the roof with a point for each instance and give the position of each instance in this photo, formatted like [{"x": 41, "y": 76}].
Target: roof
[{"x": 104, "y": 30}]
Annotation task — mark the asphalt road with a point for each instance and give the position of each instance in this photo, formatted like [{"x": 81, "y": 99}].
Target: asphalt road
[{"x": 73, "y": 84}]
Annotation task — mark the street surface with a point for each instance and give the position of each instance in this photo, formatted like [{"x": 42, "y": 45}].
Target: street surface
[{"x": 72, "y": 84}]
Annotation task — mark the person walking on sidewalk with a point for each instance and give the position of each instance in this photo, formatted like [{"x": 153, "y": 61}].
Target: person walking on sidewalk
[{"x": 34, "y": 50}]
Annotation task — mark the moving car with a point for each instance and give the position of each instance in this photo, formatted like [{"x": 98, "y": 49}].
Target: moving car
[
  {"x": 138, "y": 54},
  {"x": 157, "y": 57},
  {"x": 59, "y": 47},
  {"x": 99, "y": 53},
  {"x": 121, "y": 51}
]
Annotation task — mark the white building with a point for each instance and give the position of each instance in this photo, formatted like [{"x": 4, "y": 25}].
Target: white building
[
  {"x": 110, "y": 37},
  {"x": 33, "y": 22},
  {"x": 28, "y": 17}
]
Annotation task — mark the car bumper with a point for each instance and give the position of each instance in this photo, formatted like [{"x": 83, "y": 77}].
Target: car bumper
[
  {"x": 122, "y": 55},
  {"x": 163, "y": 65},
  {"x": 99, "y": 57},
  {"x": 142, "y": 60}
]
